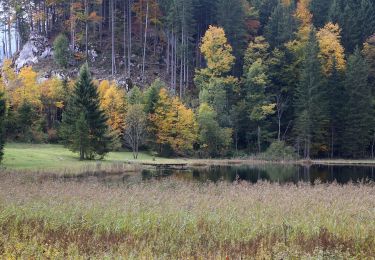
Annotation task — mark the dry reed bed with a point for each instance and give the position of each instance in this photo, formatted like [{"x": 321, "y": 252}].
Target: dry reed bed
[{"x": 173, "y": 219}]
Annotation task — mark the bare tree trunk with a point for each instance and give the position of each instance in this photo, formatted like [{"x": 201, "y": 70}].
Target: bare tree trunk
[
  {"x": 168, "y": 52},
  {"x": 130, "y": 36},
  {"x": 172, "y": 59},
  {"x": 101, "y": 14},
  {"x": 113, "y": 37},
  {"x": 86, "y": 29},
  {"x": 144, "y": 44},
  {"x": 332, "y": 141},
  {"x": 181, "y": 61},
  {"x": 308, "y": 145},
  {"x": 373, "y": 147},
  {"x": 259, "y": 140},
  {"x": 9, "y": 38},
  {"x": 72, "y": 25},
  {"x": 175, "y": 65},
  {"x": 125, "y": 35}
]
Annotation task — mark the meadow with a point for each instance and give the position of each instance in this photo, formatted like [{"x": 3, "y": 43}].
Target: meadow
[
  {"x": 21, "y": 156},
  {"x": 172, "y": 219}
]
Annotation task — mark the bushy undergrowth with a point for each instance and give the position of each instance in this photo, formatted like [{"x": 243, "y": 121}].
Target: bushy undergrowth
[
  {"x": 172, "y": 219},
  {"x": 279, "y": 150}
]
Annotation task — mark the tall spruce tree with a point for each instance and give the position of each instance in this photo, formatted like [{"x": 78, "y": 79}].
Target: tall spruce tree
[
  {"x": 309, "y": 101},
  {"x": 358, "y": 108},
  {"x": 230, "y": 15},
  {"x": 83, "y": 127},
  {"x": 281, "y": 25},
  {"x": 336, "y": 101},
  {"x": 320, "y": 11}
]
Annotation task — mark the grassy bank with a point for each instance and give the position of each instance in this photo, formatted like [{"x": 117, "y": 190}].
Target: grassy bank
[
  {"x": 50, "y": 156},
  {"x": 46, "y": 157},
  {"x": 172, "y": 219},
  {"x": 35, "y": 157}
]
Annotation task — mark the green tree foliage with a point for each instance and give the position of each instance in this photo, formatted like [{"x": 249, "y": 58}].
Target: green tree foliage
[
  {"x": 231, "y": 16},
  {"x": 257, "y": 49},
  {"x": 61, "y": 50},
  {"x": 320, "y": 9},
  {"x": 151, "y": 97},
  {"x": 214, "y": 140},
  {"x": 356, "y": 18},
  {"x": 359, "y": 112},
  {"x": 3, "y": 111},
  {"x": 135, "y": 96},
  {"x": 258, "y": 72},
  {"x": 309, "y": 101},
  {"x": 281, "y": 25},
  {"x": 337, "y": 97},
  {"x": 215, "y": 87},
  {"x": 83, "y": 127}
]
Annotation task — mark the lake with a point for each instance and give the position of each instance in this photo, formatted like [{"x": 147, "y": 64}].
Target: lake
[{"x": 254, "y": 173}]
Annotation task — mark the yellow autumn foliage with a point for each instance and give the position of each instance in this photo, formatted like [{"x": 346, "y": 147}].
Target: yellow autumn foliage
[
  {"x": 331, "y": 50},
  {"x": 217, "y": 51},
  {"x": 29, "y": 90},
  {"x": 53, "y": 93},
  {"x": 304, "y": 16},
  {"x": 175, "y": 124},
  {"x": 113, "y": 102}
]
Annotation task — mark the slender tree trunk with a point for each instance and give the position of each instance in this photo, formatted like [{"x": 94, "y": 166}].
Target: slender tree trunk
[
  {"x": 5, "y": 42},
  {"x": 373, "y": 147},
  {"x": 145, "y": 44},
  {"x": 130, "y": 36},
  {"x": 101, "y": 14},
  {"x": 86, "y": 30},
  {"x": 9, "y": 38},
  {"x": 181, "y": 61},
  {"x": 259, "y": 148},
  {"x": 168, "y": 52},
  {"x": 172, "y": 59},
  {"x": 175, "y": 65},
  {"x": 332, "y": 141},
  {"x": 125, "y": 35},
  {"x": 113, "y": 37},
  {"x": 72, "y": 25},
  {"x": 308, "y": 145}
]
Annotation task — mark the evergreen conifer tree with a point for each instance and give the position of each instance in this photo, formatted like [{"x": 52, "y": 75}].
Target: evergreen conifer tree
[
  {"x": 83, "y": 127},
  {"x": 336, "y": 101},
  {"x": 358, "y": 108},
  {"x": 309, "y": 101},
  {"x": 281, "y": 25}
]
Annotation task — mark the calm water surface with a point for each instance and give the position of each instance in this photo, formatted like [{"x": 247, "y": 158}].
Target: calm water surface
[{"x": 255, "y": 173}]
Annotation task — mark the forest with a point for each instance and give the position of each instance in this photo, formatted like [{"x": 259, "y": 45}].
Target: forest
[{"x": 194, "y": 78}]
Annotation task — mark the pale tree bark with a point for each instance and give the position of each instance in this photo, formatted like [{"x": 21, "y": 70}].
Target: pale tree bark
[
  {"x": 145, "y": 43},
  {"x": 72, "y": 25},
  {"x": 281, "y": 103},
  {"x": 113, "y": 37},
  {"x": 125, "y": 36},
  {"x": 9, "y": 38},
  {"x": 86, "y": 29},
  {"x": 130, "y": 3}
]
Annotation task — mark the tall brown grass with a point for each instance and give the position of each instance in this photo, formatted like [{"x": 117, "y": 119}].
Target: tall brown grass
[{"x": 171, "y": 219}]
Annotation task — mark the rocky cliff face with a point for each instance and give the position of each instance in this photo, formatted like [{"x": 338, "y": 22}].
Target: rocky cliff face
[
  {"x": 38, "y": 53},
  {"x": 35, "y": 49}
]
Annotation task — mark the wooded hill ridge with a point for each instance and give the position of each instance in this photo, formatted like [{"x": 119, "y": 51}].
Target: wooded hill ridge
[{"x": 212, "y": 77}]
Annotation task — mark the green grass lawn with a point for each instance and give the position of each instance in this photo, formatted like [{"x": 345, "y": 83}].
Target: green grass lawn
[{"x": 51, "y": 156}]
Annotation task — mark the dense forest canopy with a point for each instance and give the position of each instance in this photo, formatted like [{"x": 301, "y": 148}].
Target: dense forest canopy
[{"x": 210, "y": 77}]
